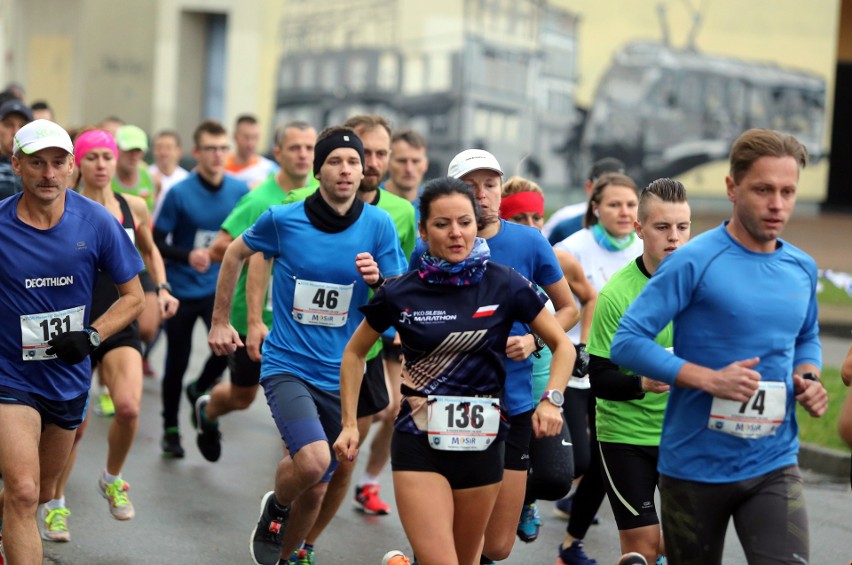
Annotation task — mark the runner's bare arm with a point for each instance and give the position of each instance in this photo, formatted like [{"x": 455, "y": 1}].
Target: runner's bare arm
[
  {"x": 130, "y": 303},
  {"x": 223, "y": 338},
  {"x": 259, "y": 271}
]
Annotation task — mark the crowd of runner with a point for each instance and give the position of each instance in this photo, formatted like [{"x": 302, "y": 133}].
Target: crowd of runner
[{"x": 493, "y": 368}]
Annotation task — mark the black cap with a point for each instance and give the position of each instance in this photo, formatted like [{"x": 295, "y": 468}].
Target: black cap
[
  {"x": 604, "y": 166},
  {"x": 15, "y": 107}
]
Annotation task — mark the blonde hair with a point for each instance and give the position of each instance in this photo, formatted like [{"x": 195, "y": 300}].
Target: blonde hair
[{"x": 518, "y": 184}]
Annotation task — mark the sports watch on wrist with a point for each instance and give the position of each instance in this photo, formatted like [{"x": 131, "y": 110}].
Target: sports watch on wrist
[
  {"x": 538, "y": 343},
  {"x": 94, "y": 337},
  {"x": 164, "y": 286},
  {"x": 554, "y": 397}
]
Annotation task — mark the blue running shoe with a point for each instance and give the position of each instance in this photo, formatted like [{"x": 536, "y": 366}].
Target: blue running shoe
[
  {"x": 574, "y": 555},
  {"x": 529, "y": 524}
]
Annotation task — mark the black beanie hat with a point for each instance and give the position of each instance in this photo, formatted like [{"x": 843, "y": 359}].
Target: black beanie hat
[{"x": 343, "y": 138}]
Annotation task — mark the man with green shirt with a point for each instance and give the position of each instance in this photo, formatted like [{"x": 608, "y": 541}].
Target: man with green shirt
[
  {"x": 630, "y": 407},
  {"x": 294, "y": 151}
]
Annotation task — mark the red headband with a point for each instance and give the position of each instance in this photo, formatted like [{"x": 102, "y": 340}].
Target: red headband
[{"x": 521, "y": 202}]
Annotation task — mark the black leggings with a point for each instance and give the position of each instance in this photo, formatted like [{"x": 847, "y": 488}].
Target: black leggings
[
  {"x": 179, "y": 343},
  {"x": 576, "y": 414},
  {"x": 591, "y": 492},
  {"x": 769, "y": 516}
]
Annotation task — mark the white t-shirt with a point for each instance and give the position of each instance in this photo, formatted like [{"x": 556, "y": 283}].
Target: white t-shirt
[
  {"x": 254, "y": 173},
  {"x": 166, "y": 183},
  {"x": 599, "y": 264}
]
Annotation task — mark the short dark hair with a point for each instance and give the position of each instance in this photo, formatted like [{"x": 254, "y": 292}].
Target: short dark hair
[
  {"x": 665, "y": 190},
  {"x": 368, "y": 122},
  {"x": 605, "y": 165},
  {"x": 169, "y": 133},
  {"x": 39, "y": 105},
  {"x": 605, "y": 180},
  {"x": 245, "y": 119},
  {"x": 445, "y": 186},
  {"x": 409, "y": 136},
  {"x": 210, "y": 127},
  {"x": 758, "y": 142}
]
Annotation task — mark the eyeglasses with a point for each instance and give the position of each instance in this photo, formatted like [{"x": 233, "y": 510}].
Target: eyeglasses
[{"x": 214, "y": 148}]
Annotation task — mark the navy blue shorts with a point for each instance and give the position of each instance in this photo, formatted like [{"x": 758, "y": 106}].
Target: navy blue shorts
[
  {"x": 304, "y": 414},
  {"x": 66, "y": 414}
]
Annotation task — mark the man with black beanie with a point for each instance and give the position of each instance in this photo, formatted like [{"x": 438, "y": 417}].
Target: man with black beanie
[{"x": 327, "y": 250}]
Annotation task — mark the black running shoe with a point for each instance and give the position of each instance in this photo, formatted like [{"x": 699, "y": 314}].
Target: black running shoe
[
  {"x": 268, "y": 534},
  {"x": 170, "y": 444},
  {"x": 209, "y": 439}
]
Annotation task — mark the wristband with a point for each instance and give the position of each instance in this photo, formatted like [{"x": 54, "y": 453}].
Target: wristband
[
  {"x": 811, "y": 377},
  {"x": 376, "y": 285},
  {"x": 164, "y": 286}
]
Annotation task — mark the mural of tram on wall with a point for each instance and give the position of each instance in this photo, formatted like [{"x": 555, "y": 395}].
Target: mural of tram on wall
[
  {"x": 664, "y": 111},
  {"x": 504, "y": 75}
]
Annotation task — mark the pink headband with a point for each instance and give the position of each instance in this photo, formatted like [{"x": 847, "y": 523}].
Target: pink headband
[
  {"x": 93, "y": 139},
  {"x": 521, "y": 202}
]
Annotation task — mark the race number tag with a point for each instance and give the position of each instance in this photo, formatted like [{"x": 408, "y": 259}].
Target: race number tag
[
  {"x": 757, "y": 417},
  {"x": 203, "y": 239},
  {"x": 38, "y": 329},
  {"x": 462, "y": 423},
  {"x": 321, "y": 304}
]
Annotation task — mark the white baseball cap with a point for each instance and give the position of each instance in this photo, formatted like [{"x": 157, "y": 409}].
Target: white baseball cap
[
  {"x": 41, "y": 134},
  {"x": 473, "y": 160}
]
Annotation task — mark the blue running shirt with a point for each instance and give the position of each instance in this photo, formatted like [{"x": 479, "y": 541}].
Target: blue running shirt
[
  {"x": 727, "y": 304},
  {"x": 316, "y": 289},
  {"x": 48, "y": 277}
]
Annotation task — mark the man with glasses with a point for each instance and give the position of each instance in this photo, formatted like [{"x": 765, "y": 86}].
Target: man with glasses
[{"x": 189, "y": 219}]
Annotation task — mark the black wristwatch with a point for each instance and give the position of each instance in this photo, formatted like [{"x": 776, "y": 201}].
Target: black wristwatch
[
  {"x": 811, "y": 377},
  {"x": 539, "y": 345},
  {"x": 94, "y": 337},
  {"x": 164, "y": 286}
]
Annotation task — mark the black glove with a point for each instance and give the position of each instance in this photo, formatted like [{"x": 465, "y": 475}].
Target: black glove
[
  {"x": 581, "y": 366},
  {"x": 71, "y": 347}
]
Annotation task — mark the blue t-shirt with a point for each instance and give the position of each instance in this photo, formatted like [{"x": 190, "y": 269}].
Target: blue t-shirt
[
  {"x": 727, "y": 304},
  {"x": 526, "y": 251},
  {"x": 453, "y": 337},
  {"x": 47, "y": 278},
  {"x": 316, "y": 289},
  {"x": 192, "y": 214}
]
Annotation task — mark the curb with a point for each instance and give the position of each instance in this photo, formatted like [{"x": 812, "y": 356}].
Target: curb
[{"x": 826, "y": 461}]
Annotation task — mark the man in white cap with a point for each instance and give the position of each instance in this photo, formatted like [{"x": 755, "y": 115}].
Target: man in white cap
[{"x": 54, "y": 242}]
